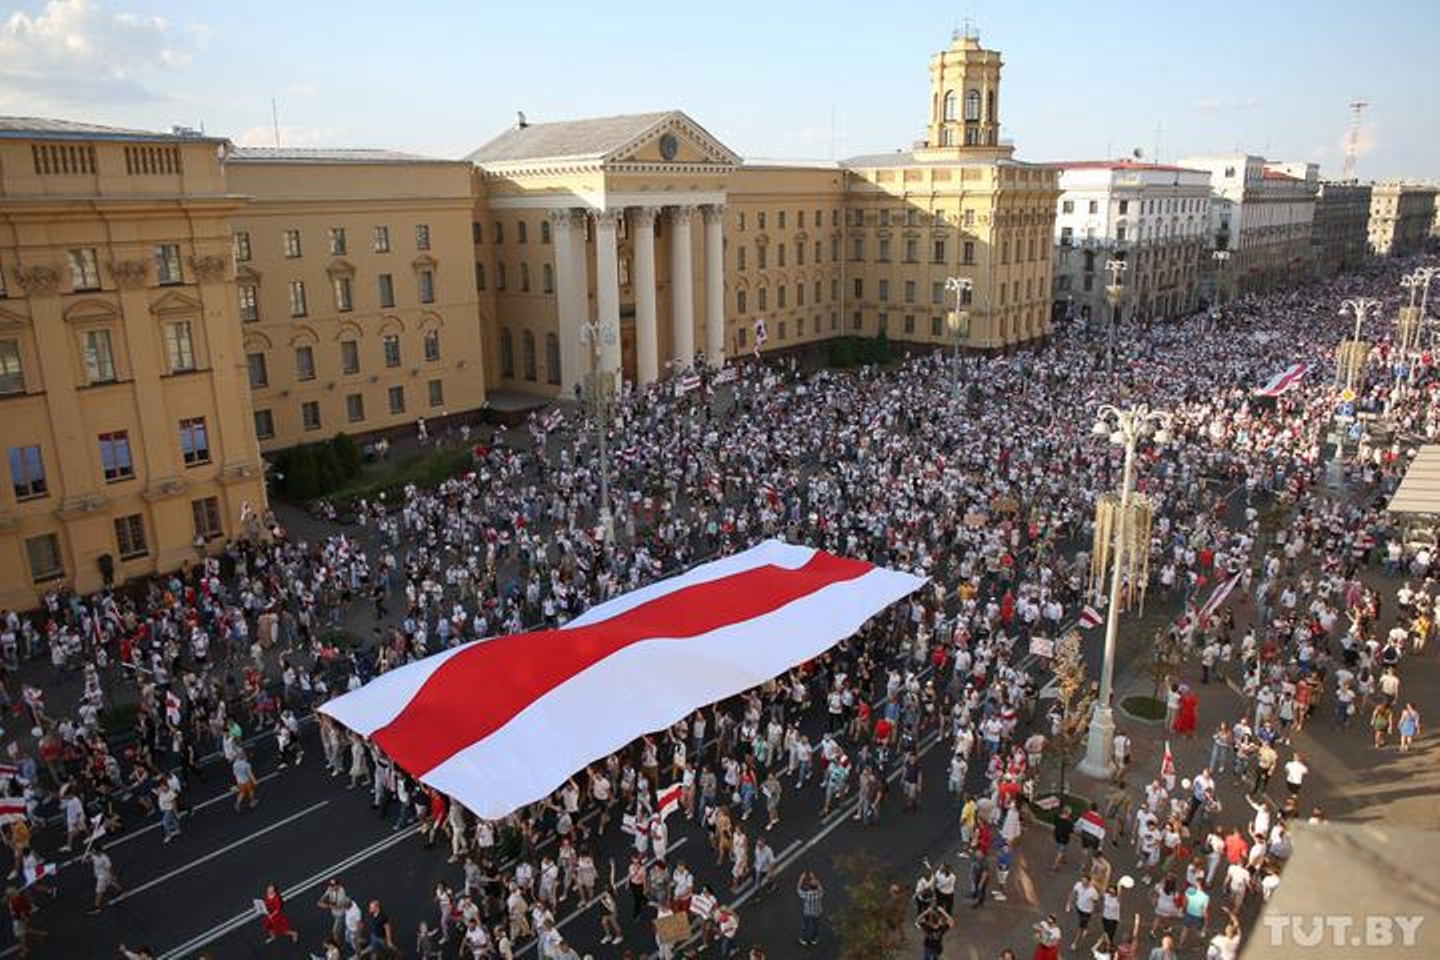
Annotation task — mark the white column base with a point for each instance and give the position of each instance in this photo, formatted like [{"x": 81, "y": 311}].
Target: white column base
[{"x": 1100, "y": 745}]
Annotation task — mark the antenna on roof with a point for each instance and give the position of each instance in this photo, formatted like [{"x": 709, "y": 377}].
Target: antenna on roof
[
  {"x": 520, "y": 122},
  {"x": 275, "y": 121}
]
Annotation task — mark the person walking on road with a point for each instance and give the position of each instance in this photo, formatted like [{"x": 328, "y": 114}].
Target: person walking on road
[
  {"x": 244, "y": 775},
  {"x": 380, "y": 940},
  {"x": 1409, "y": 726},
  {"x": 105, "y": 881},
  {"x": 812, "y": 900},
  {"x": 337, "y": 901},
  {"x": 933, "y": 924},
  {"x": 274, "y": 920}
]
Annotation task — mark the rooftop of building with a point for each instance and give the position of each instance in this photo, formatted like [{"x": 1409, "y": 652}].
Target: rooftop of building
[
  {"x": 590, "y": 138},
  {"x": 907, "y": 158},
  {"x": 326, "y": 155},
  {"x": 1135, "y": 165},
  {"x": 46, "y": 128}
]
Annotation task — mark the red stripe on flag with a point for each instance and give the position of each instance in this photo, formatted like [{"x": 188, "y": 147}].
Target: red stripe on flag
[{"x": 475, "y": 693}]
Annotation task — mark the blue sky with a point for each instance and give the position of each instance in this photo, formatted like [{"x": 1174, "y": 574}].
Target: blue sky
[{"x": 1081, "y": 81}]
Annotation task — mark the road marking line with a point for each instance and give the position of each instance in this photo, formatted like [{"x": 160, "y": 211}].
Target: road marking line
[
  {"x": 240, "y": 920},
  {"x": 225, "y": 849}
]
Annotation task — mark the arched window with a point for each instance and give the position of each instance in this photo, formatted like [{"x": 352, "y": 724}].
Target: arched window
[
  {"x": 544, "y": 231},
  {"x": 552, "y": 358},
  {"x": 547, "y": 278},
  {"x": 527, "y": 352},
  {"x": 947, "y": 137},
  {"x": 949, "y": 105},
  {"x": 524, "y": 278},
  {"x": 972, "y": 106},
  {"x": 507, "y": 353}
]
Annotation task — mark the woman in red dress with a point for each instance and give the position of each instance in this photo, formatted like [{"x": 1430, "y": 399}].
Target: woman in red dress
[
  {"x": 1185, "y": 719},
  {"x": 275, "y": 921}
]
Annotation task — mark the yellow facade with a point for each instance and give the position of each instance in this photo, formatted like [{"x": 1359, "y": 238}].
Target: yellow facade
[
  {"x": 355, "y": 291},
  {"x": 123, "y": 411}
]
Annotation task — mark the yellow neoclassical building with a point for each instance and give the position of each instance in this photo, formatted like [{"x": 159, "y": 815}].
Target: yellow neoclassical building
[
  {"x": 124, "y": 415},
  {"x": 171, "y": 304}
]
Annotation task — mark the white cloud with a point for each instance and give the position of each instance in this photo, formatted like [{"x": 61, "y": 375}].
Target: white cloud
[{"x": 78, "y": 52}]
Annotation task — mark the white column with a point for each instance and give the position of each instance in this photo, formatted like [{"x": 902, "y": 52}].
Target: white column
[
  {"x": 572, "y": 286},
  {"x": 647, "y": 343},
  {"x": 682, "y": 287},
  {"x": 607, "y": 289},
  {"x": 714, "y": 284}
]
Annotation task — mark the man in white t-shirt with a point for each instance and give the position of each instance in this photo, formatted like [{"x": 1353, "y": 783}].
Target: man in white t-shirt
[{"x": 1295, "y": 770}]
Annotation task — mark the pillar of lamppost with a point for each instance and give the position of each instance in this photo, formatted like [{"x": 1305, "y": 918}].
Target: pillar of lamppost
[
  {"x": 960, "y": 319},
  {"x": 1114, "y": 293},
  {"x": 1414, "y": 316},
  {"x": 1353, "y": 360},
  {"x": 596, "y": 335},
  {"x": 1129, "y": 427},
  {"x": 1222, "y": 264}
]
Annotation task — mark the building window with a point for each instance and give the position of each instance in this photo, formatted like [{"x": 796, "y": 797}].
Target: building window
[
  {"x": 381, "y": 239},
  {"x": 937, "y": 293},
  {"x": 969, "y": 250},
  {"x": 12, "y": 374},
  {"x": 386, "y": 285},
  {"x": 912, "y": 251},
  {"x": 1093, "y": 206},
  {"x": 780, "y": 297},
  {"x": 762, "y": 298},
  {"x": 98, "y": 358},
  {"x": 432, "y": 345},
  {"x": 337, "y": 241},
  {"x": 527, "y": 354},
  {"x": 397, "y": 399},
  {"x": 391, "y": 346},
  {"x": 249, "y": 303},
  {"x": 525, "y": 278},
  {"x": 305, "y": 363},
  {"x": 479, "y": 275},
  {"x": 167, "y": 264},
  {"x": 259, "y": 375},
  {"x": 27, "y": 472},
  {"x": 435, "y": 390},
  {"x": 130, "y": 536},
  {"x": 740, "y": 305},
  {"x": 1124, "y": 207},
  {"x": 426, "y": 282},
  {"x": 972, "y": 106},
  {"x": 884, "y": 250},
  {"x": 297, "y": 298},
  {"x": 1067, "y": 206},
  {"x": 858, "y": 253},
  {"x": 355, "y": 407},
  {"x": 499, "y": 276},
  {"x": 264, "y": 424},
  {"x": 884, "y": 290},
  {"x": 740, "y": 257},
  {"x": 937, "y": 326},
  {"x": 520, "y": 232},
  {"x": 343, "y": 301},
  {"x": 760, "y": 258},
  {"x": 544, "y": 231},
  {"x": 240, "y": 246},
  {"x": 507, "y": 354},
  {"x": 937, "y": 254},
  {"x": 858, "y": 288},
  {"x": 780, "y": 255},
  {"x": 882, "y": 323},
  {"x": 205, "y": 513},
  {"x": 909, "y": 324},
  {"x": 950, "y": 106},
  {"x": 44, "y": 555},
  {"x": 179, "y": 347},
  {"x": 552, "y": 358},
  {"x": 115, "y": 460},
  {"x": 499, "y": 232},
  {"x": 194, "y": 442},
  {"x": 349, "y": 357},
  {"x": 310, "y": 415},
  {"x": 547, "y": 278},
  {"x": 781, "y": 332},
  {"x": 909, "y": 291},
  {"x": 292, "y": 244},
  {"x": 84, "y": 269}
]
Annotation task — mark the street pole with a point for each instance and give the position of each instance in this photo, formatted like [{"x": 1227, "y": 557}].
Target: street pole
[
  {"x": 592, "y": 334},
  {"x": 1222, "y": 264},
  {"x": 959, "y": 286},
  {"x": 1131, "y": 425},
  {"x": 1113, "y": 292}
]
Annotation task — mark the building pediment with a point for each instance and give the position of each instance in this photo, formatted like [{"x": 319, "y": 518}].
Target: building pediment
[
  {"x": 91, "y": 310},
  {"x": 674, "y": 139},
  {"x": 175, "y": 302}
]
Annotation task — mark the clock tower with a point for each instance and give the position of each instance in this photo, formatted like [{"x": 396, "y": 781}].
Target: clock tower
[{"x": 964, "y": 102}]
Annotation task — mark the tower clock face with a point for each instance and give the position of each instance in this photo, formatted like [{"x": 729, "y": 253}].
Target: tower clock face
[{"x": 669, "y": 146}]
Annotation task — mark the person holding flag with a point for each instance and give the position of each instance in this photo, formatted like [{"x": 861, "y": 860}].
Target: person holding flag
[{"x": 105, "y": 881}]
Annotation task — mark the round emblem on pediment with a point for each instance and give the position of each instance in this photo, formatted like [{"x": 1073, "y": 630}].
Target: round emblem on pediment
[{"x": 669, "y": 146}]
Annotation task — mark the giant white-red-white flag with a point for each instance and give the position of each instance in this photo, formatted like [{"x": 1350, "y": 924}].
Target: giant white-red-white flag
[{"x": 502, "y": 722}]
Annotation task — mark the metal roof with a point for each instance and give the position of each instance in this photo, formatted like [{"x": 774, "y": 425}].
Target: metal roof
[
  {"x": 1419, "y": 491},
  {"x": 567, "y": 139},
  {"x": 44, "y": 128},
  {"x": 325, "y": 155}
]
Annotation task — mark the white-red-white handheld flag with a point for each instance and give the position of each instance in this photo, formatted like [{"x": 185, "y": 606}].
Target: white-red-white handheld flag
[
  {"x": 502, "y": 722},
  {"x": 1089, "y": 617}
]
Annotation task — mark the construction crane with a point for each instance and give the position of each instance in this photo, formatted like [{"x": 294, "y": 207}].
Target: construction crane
[{"x": 1352, "y": 142}]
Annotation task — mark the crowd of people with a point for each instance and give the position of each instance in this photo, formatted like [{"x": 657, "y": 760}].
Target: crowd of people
[{"x": 980, "y": 474}]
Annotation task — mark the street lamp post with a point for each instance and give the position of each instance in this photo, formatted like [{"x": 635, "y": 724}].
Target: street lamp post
[
  {"x": 1129, "y": 427},
  {"x": 1113, "y": 292},
  {"x": 1412, "y": 318},
  {"x": 1222, "y": 265},
  {"x": 960, "y": 286},
  {"x": 594, "y": 334},
  {"x": 1360, "y": 307}
]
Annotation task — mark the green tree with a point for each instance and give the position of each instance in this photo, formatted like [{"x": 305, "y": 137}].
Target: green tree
[
  {"x": 865, "y": 922},
  {"x": 303, "y": 478},
  {"x": 347, "y": 453}
]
